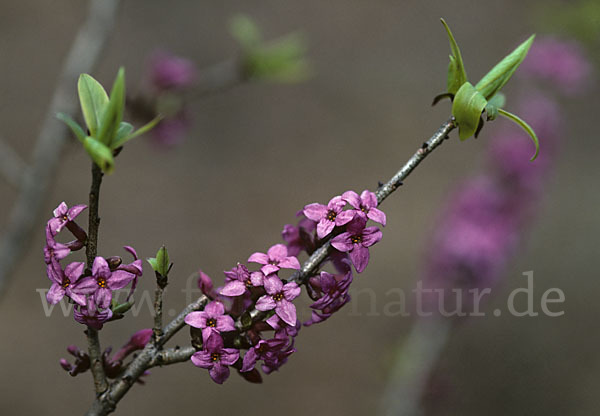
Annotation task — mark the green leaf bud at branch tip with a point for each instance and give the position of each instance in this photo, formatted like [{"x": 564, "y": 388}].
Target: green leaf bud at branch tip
[{"x": 457, "y": 75}]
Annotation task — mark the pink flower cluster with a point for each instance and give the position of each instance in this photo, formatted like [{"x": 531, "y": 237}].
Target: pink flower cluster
[
  {"x": 226, "y": 325},
  {"x": 91, "y": 290}
]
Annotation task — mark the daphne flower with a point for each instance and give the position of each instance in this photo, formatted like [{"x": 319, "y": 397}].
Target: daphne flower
[
  {"x": 215, "y": 358},
  {"x": 275, "y": 259},
  {"x": 211, "y": 319},
  {"x": 356, "y": 240},
  {"x": 327, "y": 217},
  {"x": 90, "y": 315},
  {"x": 104, "y": 281},
  {"x": 264, "y": 350},
  {"x": 240, "y": 280},
  {"x": 279, "y": 297},
  {"x": 63, "y": 215},
  {"x": 333, "y": 294},
  {"x": 54, "y": 249},
  {"x": 365, "y": 205},
  {"x": 66, "y": 283},
  {"x": 169, "y": 71}
]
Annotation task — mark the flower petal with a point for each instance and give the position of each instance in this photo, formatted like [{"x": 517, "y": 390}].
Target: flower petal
[
  {"x": 352, "y": 198},
  {"x": 225, "y": 323},
  {"x": 377, "y": 216},
  {"x": 214, "y": 309},
  {"x": 55, "y": 294},
  {"x": 291, "y": 291},
  {"x": 249, "y": 360},
  {"x": 219, "y": 373},
  {"x": 360, "y": 258},
  {"x": 100, "y": 267},
  {"x": 290, "y": 262},
  {"x": 277, "y": 252},
  {"x": 345, "y": 217},
  {"x": 75, "y": 211},
  {"x": 229, "y": 356},
  {"x": 273, "y": 284},
  {"x": 61, "y": 209},
  {"x": 368, "y": 199},
  {"x": 233, "y": 288},
  {"x": 202, "y": 359},
  {"x": 196, "y": 319},
  {"x": 336, "y": 204},
  {"x": 74, "y": 270},
  {"x": 370, "y": 236},
  {"x": 324, "y": 227},
  {"x": 315, "y": 211},
  {"x": 269, "y": 269},
  {"x": 286, "y": 311},
  {"x": 260, "y": 258},
  {"x": 342, "y": 242},
  {"x": 119, "y": 279},
  {"x": 265, "y": 303}
]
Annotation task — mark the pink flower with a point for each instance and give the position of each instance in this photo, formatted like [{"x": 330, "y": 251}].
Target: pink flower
[
  {"x": 279, "y": 297},
  {"x": 215, "y": 358},
  {"x": 211, "y": 319},
  {"x": 275, "y": 259},
  {"x": 356, "y": 240},
  {"x": 330, "y": 216},
  {"x": 365, "y": 205},
  {"x": 66, "y": 283},
  {"x": 63, "y": 215},
  {"x": 103, "y": 282}
]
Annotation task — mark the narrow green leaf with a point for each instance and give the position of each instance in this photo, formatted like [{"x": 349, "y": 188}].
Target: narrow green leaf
[
  {"x": 245, "y": 31},
  {"x": 93, "y": 100},
  {"x": 495, "y": 103},
  {"x": 75, "y": 128},
  {"x": 525, "y": 127},
  {"x": 122, "y": 308},
  {"x": 113, "y": 115},
  {"x": 123, "y": 131},
  {"x": 457, "y": 75},
  {"x": 100, "y": 154},
  {"x": 494, "y": 80},
  {"x": 466, "y": 108},
  {"x": 120, "y": 141},
  {"x": 162, "y": 261},
  {"x": 153, "y": 263}
]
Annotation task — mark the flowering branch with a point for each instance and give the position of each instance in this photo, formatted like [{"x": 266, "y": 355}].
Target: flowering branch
[
  {"x": 91, "y": 250},
  {"x": 32, "y": 187},
  {"x": 152, "y": 355}
]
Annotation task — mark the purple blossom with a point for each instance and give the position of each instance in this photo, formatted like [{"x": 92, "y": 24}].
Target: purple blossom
[
  {"x": 328, "y": 217},
  {"x": 275, "y": 259},
  {"x": 365, "y": 205},
  {"x": 53, "y": 249},
  {"x": 168, "y": 71},
  {"x": 104, "y": 282},
  {"x": 215, "y": 358},
  {"x": 171, "y": 131},
  {"x": 279, "y": 297},
  {"x": 205, "y": 284},
  {"x": 63, "y": 215},
  {"x": 267, "y": 350},
  {"x": 134, "y": 268},
  {"x": 137, "y": 342},
  {"x": 332, "y": 295},
  {"x": 91, "y": 316},
  {"x": 561, "y": 62},
  {"x": 211, "y": 319},
  {"x": 356, "y": 240},
  {"x": 299, "y": 237},
  {"x": 66, "y": 283},
  {"x": 279, "y": 326},
  {"x": 239, "y": 280}
]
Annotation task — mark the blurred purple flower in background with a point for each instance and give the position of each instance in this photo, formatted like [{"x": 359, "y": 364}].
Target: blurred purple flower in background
[
  {"x": 561, "y": 62},
  {"x": 168, "y": 71}
]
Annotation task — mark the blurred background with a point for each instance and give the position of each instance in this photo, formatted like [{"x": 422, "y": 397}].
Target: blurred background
[{"x": 254, "y": 154}]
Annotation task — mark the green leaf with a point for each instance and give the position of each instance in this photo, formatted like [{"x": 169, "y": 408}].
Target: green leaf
[
  {"x": 162, "y": 261},
  {"x": 245, "y": 31},
  {"x": 122, "y": 308},
  {"x": 123, "y": 131},
  {"x": 152, "y": 262},
  {"x": 113, "y": 115},
  {"x": 525, "y": 127},
  {"x": 495, "y": 103},
  {"x": 281, "y": 60},
  {"x": 93, "y": 99},
  {"x": 120, "y": 141},
  {"x": 100, "y": 154},
  {"x": 466, "y": 108},
  {"x": 494, "y": 80},
  {"x": 75, "y": 128},
  {"x": 457, "y": 75},
  {"x": 160, "y": 264}
]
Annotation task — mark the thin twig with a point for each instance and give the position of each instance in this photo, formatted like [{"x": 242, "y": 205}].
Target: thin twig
[
  {"x": 157, "y": 329},
  {"x": 149, "y": 356},
  {"x": 91, "y": 249},
  {"x": 53, "y": 134},
  {"x": 12, "y": 167}
]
